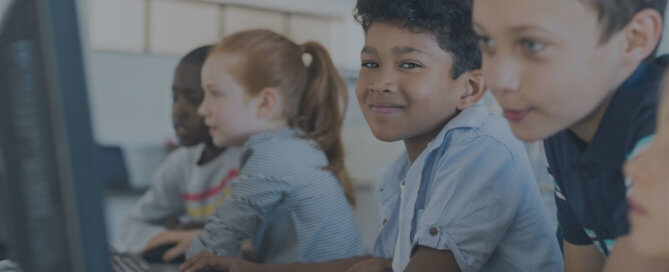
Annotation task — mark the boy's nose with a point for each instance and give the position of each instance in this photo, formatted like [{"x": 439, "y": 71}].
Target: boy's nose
[
  {"x": 384, "y": 83},
  {"x": 502, "y": 75}
]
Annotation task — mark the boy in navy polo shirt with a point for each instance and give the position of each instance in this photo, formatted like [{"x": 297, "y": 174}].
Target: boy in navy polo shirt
[{"x": 579, "y": 74}]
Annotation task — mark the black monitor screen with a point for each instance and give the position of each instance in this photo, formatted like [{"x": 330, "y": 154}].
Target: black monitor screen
[{"x": 50, "y": 198}]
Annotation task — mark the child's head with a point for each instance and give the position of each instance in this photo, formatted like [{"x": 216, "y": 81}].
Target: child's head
[
  {"x": 419, "y": 65},
  {"x": 187, "y": 95},
  {"x": 649, "y": 201},
  {"x": 258, "y": 80},
  {"x": 554, "y": 64}
]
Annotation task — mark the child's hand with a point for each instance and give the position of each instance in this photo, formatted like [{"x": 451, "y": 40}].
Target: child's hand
[
  {"x": 209, "y": 261},
  {"x": 182, "y": 239},
  {"x": 372, "y": 265}
]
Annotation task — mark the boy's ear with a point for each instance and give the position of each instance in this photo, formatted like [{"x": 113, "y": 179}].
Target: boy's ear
[
  {"x": 475, "y": 90},
  {"x": 268, "y": 103},
  {"x": 642, "y": 35}
]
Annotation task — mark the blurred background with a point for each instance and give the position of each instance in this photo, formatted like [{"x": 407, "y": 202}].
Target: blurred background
[{"x": 131, "y": 48}]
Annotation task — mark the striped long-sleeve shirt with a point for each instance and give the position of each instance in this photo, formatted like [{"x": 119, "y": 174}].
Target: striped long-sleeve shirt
[
  {"x": 180, "y": 188},
  {"x": 286, "y": 203}
]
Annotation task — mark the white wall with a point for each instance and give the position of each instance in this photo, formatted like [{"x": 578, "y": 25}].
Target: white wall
[{"x": 131, "y": 97}]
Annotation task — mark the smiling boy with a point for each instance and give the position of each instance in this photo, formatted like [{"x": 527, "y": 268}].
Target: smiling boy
[{"x": 462, "y": 197}]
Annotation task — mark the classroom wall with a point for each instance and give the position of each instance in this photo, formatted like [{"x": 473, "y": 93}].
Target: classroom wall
[{"x": 131, "y": 97}]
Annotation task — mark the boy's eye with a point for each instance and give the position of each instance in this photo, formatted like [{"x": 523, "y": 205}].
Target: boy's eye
[
  {"x": 409, "y": 65},
  {"x": 532, "y": 46},
  {"x": 485, "y": 42},
  {"x": 370, "y": 64}
]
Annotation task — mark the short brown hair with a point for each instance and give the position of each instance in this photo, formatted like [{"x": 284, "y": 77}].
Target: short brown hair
[{"x": 614, "y": 15}]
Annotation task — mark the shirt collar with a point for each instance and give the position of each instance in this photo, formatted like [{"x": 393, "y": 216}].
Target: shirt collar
[{"x": 472, "y": 117}]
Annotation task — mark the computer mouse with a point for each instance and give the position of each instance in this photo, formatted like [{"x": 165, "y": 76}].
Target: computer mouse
[{"x": 155, "y": 255}]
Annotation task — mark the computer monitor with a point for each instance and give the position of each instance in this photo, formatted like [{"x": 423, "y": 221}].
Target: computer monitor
[{"x": 50, "y": 196}]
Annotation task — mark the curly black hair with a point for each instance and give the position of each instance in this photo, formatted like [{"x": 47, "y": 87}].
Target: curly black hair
[
  {"x": 449, "y": 20},
  {"x": 197, "y": 55}
]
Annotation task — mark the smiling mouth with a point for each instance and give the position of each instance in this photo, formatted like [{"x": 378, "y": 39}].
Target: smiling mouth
[{"x": 385, "y": 109}]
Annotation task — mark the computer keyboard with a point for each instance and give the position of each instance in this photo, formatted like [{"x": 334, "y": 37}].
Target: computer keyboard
[{"x": 128, "y": 263}]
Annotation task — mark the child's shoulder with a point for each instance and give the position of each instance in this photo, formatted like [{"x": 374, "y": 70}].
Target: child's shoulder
[
  {"x": 282, "y": 151},
  {"x": 232, "y": 153},
  {"x": 647, "y": 91},
  {"x": 629, "y": 118},
  {"x": 476, "y": 127},
  {"x": 284, "y": 144},
  {"x": 486, "y": 148}
]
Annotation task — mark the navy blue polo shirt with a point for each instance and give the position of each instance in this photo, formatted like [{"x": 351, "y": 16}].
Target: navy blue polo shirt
[{"x": 590, "y": 190}]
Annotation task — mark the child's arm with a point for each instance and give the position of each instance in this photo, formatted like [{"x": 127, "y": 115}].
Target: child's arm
[
  {"x": 207, "y": 260},
  {"x": 587, "y": 258},
  {"x": 581, "y": 255},
  {"x": 240, "y": 215},
  {"x": 624, "y": 258},
  {"x": 476, "y": 195},
  {"x": 428, "y": 259},
  {"x": 582, "y": 258}
]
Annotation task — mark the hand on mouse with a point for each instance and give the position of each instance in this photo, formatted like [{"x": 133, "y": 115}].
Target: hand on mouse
[
  {"x": 210, "y": 262},
  {"x": 182, "y": 239}
]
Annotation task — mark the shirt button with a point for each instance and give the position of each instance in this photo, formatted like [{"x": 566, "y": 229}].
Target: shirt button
[
  {"x": 433, "y": 231},
  {"x": 586, "y": 173},
  {"x": 385, "y": 220},
  {"x": 404, "y": 182},
  {"x": 381, "y": 189}
]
